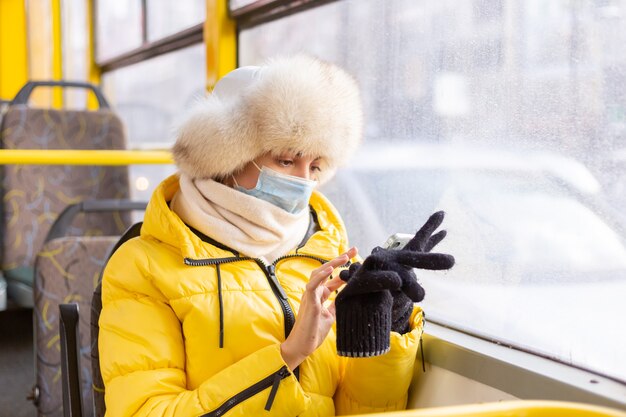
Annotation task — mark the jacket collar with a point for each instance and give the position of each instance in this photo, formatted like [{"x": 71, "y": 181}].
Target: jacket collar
[{"x": 163, "y": 224}]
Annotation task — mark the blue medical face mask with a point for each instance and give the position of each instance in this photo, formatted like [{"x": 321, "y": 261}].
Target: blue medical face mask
[{"x": 290, "y": 193}]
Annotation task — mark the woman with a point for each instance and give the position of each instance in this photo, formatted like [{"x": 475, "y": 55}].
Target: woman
[{"x": 199, "y": 312}]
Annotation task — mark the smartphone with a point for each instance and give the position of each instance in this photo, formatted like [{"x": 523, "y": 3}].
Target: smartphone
[{"x": 397, "y": 241}]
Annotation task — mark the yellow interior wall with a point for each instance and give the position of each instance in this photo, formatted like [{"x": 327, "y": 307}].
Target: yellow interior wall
[{"x": 13, "y": 56}]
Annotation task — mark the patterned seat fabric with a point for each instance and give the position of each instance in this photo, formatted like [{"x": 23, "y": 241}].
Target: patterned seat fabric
[
  {"x": 35, "y": 194},
  {"x": 67, "y": 271}
]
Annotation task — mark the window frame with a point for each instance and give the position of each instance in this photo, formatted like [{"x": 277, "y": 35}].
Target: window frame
[
  {"x": 179, "y": 40},
  {"x": 263, "y": 11}
]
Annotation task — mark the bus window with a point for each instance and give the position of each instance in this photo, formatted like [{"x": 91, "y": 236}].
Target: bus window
[
  {"x": 149, "y": 96},
  {"x": 119, "y": 23},
  {"x": 74, "y": 26},
  {"x": 165, "y": 17},
  {"x": 510, "y": 116}
]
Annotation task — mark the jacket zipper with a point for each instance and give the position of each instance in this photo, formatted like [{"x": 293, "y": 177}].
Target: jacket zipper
[
  {"x": 270, "y": 273},
  {"x": 271, "y": 380},
  {"x": 300, "y": 255},
  {"x": 281, "y": 295}
]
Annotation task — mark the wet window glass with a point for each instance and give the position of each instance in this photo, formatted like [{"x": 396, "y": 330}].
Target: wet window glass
[
  {"x": 509, "y": 116},
  {"x": 118, "y": 28},
  {"x": 149, "y": 97},
  {"x": 74, "y": 18},
  {"x": 166, "y": 17}
]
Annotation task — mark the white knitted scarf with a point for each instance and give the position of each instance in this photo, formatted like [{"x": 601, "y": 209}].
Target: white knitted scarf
[{"x": 251, "y": 226}]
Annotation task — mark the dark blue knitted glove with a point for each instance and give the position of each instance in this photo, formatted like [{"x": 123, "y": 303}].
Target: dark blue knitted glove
[
  {"x": 411, "y": 292},
  {"x": 383, "y": 290}
]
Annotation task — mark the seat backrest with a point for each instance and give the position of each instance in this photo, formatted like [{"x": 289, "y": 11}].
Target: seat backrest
[
  {"x": 59, "y": 281},
  {"x": 67, "y": 270},
  {"x": 96, "y": 307},
  {"x": 33, "y": 195}
]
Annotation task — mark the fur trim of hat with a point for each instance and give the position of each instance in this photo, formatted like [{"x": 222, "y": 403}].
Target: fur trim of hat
[{"x": 297, "y": 104}]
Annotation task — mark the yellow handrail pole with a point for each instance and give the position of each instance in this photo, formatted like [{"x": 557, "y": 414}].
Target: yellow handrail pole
[
  {"x": 83, "y": 157},
  {"x": 57, "y": 52},
  {"x": 220, "y": 38},
  {"x": 13, "y": 48},
  {"x": 94, "y": 70}
]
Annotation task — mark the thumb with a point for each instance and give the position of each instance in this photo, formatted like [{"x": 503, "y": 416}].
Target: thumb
[{"x": 365, "y": 282}]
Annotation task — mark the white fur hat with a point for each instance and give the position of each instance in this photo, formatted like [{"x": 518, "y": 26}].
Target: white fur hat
[{"x": 296, "y": 104}]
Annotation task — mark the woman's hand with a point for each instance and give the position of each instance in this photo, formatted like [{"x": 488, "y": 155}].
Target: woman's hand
[{"x": 314, "y": 318}]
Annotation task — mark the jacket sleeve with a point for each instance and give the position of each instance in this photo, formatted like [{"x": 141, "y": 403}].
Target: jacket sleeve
[
  {"x": 142, "y": 357},
  {"x": 381, "y": 383}
]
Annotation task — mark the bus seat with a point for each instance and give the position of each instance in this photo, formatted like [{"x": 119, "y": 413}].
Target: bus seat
[
  {"x": 67, "y": 270},
  {"x": 33, "y": 195}
]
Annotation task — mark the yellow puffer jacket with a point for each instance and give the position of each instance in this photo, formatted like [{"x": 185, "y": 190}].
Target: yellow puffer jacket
[{"x": 188, "y": 329}]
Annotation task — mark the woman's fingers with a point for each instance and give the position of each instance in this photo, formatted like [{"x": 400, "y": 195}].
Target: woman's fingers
[
  {"x": 335, "y": 283},
  {"x": 343, "y": 258},
  {"x": 321, "y": 274},
  {"x": 318, "y": 276},
  {"x": 315, "y": 317},
  {"x": 352, "y": 252},
  {"x": 338, "y": 261},
  {"x": 325, "y": 294}
]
